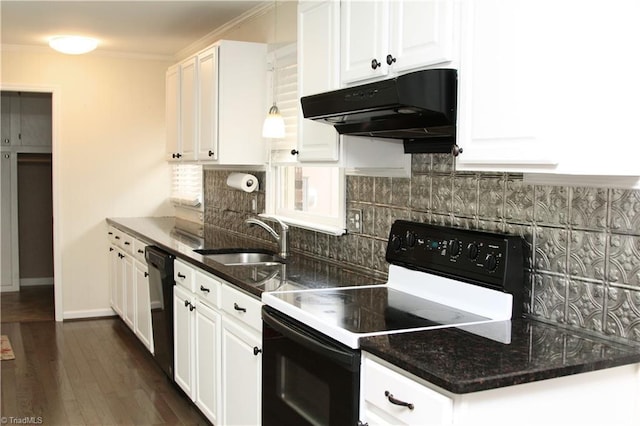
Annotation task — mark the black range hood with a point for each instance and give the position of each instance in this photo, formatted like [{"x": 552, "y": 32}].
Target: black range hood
[{"x": 419, "y": 108}]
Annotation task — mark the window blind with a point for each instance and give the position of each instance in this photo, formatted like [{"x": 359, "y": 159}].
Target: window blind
[
  {"x": 186, "y": 185},
  {"x": 284, "y": 65}
]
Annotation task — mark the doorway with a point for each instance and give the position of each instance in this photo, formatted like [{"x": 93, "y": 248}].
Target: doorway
[{"x": 27, "y": 203}]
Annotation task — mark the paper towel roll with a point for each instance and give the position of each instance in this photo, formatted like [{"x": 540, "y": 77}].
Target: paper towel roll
[{"x": 243, "y": 181}]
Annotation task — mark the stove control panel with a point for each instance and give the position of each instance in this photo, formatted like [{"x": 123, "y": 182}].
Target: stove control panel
[{"x": 483, "y": 258}]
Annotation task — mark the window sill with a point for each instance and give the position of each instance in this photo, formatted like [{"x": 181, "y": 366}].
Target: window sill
[{"x": 310, "y": 226}]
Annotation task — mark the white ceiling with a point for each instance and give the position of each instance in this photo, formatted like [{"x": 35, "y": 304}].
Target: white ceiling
[{"x": 161, "y": 28}]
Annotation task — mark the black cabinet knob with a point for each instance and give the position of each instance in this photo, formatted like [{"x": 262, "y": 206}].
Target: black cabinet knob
[
  {"x": 239, "y": 308},
  {"x": 295, "y": 152},
  {"x": 375, "y": 64},
  {"x": 146, "y": 274},
  {"x": 256, "y": 350},
  {"x": 390, "y": 59},
  {"x": 176, "y": 155},
  {"x": 204, "y": 289},
  {"x": 395, "y": 401},
  {"x": 211, "y": 154},
  {"x": 181, "y": 275}
]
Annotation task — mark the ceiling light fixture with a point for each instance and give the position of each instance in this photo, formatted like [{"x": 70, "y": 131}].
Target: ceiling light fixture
[
  {"x": 73, "y": 45},
  {"x": 273, "y": 126}
]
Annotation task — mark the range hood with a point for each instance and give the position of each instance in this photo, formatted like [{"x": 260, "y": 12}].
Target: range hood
[{"x": 418, "y": 108}]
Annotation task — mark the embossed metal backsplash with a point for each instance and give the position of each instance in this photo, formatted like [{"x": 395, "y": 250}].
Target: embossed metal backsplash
[{"x": 584, "y": 243}]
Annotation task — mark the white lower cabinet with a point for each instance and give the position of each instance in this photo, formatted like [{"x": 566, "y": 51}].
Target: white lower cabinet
[
  {"x": 386, "y": 391},
  {"x": 142, "y": 322},
  {"x": 389, "y": 398},
  {"x": 241, "y": 358},
  {"x": 183, "y": 347},
  {"x": 129, "y": 284},
  {"x": 197, "y": 324}
]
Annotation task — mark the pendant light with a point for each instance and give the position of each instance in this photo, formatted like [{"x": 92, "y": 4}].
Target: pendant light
[{"x": 273, "y": 126}]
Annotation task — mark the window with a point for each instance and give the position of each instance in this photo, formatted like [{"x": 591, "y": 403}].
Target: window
[
  {"x": 311, "y": 197},
  {"x": 186, "y": 185}
]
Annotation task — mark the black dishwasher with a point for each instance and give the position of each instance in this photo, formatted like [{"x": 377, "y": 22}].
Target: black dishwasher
[{"x": 161, "y": 284}]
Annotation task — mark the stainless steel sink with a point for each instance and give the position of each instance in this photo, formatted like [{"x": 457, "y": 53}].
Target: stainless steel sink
[{"x": 234, "y": 257}]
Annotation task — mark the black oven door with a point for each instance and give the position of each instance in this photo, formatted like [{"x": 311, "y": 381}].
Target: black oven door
[{"x": 307, "y": 378}]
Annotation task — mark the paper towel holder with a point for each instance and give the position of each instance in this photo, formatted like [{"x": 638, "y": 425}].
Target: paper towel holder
[{"x": 243, "y": 181}]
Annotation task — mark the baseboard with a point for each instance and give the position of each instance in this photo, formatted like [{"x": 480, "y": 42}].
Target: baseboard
[
  {"x": 26, "y": 282},
  {"x": 92, "y": 313}
]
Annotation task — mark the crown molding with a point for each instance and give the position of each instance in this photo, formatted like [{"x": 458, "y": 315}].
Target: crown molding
[{"x": 217, "y": 34}]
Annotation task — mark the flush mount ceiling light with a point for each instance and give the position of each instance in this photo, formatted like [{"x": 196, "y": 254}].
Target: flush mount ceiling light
[{"x": 73, "y": 45}]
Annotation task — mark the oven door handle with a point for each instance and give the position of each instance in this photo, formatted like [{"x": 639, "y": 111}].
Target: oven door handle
[{"x": 346, "y": 357}]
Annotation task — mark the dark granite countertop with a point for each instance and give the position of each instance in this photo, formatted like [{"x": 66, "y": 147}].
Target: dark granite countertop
[
  {"x": 456, "y": 360},
  {"x": 462, "y": 362},
  {"x": 299, "y": 272}
]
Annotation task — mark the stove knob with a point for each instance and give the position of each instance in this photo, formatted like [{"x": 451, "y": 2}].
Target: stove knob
[
  {"x": 472, "y": 251},
  {"x": 454, "y": 248},
  {"x": 490, "y": 262},
  {"x": 396, "y": 243},
  {"x": 411, "y": 239}
]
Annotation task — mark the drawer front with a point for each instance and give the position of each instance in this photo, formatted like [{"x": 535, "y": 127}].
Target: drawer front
[
  {"x": 184, "y": 275},
  {"x": 126, "y": 242},
  {"x": 381, "y": 385},
  {"x": 138, "y": 250},
  {"x": 242, "y": 307},
  {"x": 111, "y": 234},
  {"x": 207, "y": 287}
]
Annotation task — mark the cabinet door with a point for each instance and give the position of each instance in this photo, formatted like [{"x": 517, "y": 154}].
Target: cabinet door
[
  {"x": 9, "y": 275},
  {"x": 207, "y": 361},
  {"x": 172, "y": 112},
  {"x": 129, "y": 292},
  {"x": 317, "y": 73},
  {"x": 35, "y": 119},
  {"x": 183, "y": 351},
  {"x": 188, "y": 108},
  {"x": 208, "y": 104},
  {"x": 241, "y": 374},
  {"x": 143, "y": 305},
  {"x": 421, "y": 34},
  {"x": 502, "y": 61},
  {"x": 119, "y": 279},
  {"x": 365, "y": 37},
  {"x": 113, "y": 275},
  {"x": 10, "y": 125}
]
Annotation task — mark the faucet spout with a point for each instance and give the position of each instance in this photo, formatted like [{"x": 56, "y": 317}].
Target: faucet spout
[{"x": 282, "y": 239}]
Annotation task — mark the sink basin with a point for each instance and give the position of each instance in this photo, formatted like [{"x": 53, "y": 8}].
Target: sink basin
[{"x": 234, "y": 257}]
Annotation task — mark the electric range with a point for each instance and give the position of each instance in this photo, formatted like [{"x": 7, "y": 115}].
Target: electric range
[{"x": 438, "y": 277}]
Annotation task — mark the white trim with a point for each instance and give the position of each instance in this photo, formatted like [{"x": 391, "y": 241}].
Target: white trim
[
  {"x": 326, "y": 229},
  {"x": 29, "y": 282},
  {"x": 56, "y": 189},
  {"x": 89, "y": 313},
  {"x": 623, "y": 182},
  {"x": 31, "y": 48}
]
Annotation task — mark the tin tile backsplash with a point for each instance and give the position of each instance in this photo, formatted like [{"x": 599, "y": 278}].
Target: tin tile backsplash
[{"x": 583, "y": 243}]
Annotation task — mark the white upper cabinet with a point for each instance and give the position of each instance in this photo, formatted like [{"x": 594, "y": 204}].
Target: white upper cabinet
[
  {"x": 221, "y": 105},
  {"x": 172, "y": 112},
  {"x": 318, "y": 71},
  {"x": 537, "y": 94},
  {"x": 208, "y": 112},
  {"x": 382, "y": 38},
  {"x": 188, "y": 108}
]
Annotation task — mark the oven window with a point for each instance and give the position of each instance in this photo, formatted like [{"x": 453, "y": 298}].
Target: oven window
[{"x": 303, "y": 392}]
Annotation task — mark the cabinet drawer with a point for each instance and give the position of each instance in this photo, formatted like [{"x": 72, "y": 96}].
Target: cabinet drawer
[
  {"x": 138, "y": 250},
  {"x": 241, "y": 306},
  {"x": 381, "y": 384},
  {"x": 184, "y": 275},
  {"x": 111, "y": 234},
  {"x": 207, "y": 288}
]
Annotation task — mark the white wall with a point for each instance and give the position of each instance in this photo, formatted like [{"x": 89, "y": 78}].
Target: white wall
[{"x": 108, "y": 156}]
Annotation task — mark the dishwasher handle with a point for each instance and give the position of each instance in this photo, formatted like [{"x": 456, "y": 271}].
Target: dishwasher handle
[{"x": 346, "y": 357}]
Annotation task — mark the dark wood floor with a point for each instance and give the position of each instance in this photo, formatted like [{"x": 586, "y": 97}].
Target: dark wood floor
[
  {"x": 92, "y": 372},
  {"x": 29, "y": 304}
]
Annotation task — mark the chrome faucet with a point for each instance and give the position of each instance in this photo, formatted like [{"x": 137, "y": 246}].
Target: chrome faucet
[{"x": 282, "y": 239}]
